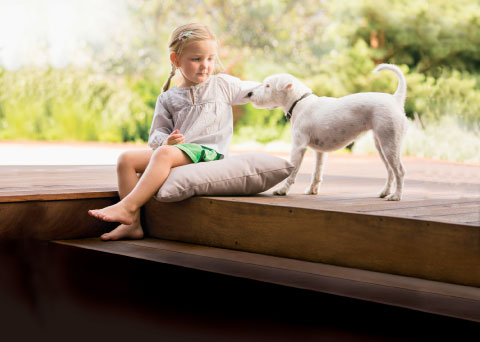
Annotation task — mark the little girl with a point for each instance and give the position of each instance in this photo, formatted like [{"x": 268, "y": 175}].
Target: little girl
[{"x": 192, "y": 123}]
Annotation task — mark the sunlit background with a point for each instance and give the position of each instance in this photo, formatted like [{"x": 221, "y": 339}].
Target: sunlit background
[
  {"x": 57, "y": 33},
  {"x": 90, "y": 71}
]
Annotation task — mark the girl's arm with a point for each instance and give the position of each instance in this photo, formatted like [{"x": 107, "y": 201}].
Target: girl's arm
[
  {"x": 236, "y": 90},
  {"x": 162, "y": 125}
]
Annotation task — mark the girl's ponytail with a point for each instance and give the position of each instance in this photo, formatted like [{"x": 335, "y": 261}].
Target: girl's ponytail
[{"x": 166, "y": 86}]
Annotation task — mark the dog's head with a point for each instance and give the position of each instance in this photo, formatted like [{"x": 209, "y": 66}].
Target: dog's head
[{"x": 275, "y": 91}]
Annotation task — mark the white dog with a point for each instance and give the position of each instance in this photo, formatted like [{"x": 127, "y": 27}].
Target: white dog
[{"x": 327, "y": 124}]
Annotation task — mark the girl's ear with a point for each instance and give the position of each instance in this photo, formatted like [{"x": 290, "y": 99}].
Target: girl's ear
[{"x": 174, "y": 59}]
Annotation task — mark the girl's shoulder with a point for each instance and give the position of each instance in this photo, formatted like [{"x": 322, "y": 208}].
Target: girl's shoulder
[
  {"x": 170, "y": 98},
  {"x": 167, "y": 95}
]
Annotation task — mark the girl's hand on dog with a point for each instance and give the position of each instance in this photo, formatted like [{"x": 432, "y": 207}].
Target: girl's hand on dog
[{"x": 174, "y": 138}]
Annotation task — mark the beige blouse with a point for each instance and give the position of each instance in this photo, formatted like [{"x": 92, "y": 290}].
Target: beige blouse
[{"x": 202, "y": 113}]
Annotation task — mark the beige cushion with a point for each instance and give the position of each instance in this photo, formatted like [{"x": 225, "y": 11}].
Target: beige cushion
[{"x": 243, "y": 174}]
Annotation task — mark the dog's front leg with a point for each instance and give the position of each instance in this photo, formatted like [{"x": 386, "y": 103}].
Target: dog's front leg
[
  {"x": 296, "y": 157},
  {"x": 317, "y": 174}
]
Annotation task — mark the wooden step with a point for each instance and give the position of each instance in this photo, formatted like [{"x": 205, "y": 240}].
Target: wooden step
[
  {"x": 296, "y": 228},
  {"x": 51, "y": 202},
  {"x": 419, "y": 294},
  {"x": 433, "y": 233}
]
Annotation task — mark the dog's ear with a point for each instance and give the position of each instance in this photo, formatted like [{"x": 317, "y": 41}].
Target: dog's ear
[{"x": 285, "y": 84}]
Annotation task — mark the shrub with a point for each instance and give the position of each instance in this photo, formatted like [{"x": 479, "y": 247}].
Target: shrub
[
  {"x": 445, "y": 139},
  {"x": 70, "y": 104}
]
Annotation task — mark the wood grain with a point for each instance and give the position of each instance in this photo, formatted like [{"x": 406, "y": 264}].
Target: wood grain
[
  {"x": 47, "y": 220},
  {"x": 405, "y": 246},
  {"x": 37, "y": 183}
]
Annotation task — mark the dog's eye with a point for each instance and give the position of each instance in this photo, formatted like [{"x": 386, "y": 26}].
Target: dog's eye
[{"x": 268, "y": 86}]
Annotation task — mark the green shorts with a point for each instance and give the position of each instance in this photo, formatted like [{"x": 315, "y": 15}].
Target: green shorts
[{"x": 199, "y": 153}]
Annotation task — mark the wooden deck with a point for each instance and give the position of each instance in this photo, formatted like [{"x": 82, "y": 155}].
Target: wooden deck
[
  {"x": 429, "y": 240},
  {"x": 435, "y": 191}
]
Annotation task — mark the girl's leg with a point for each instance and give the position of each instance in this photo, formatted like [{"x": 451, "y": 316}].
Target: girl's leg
[
  {"x": 129, "y": 164},
  {"x": 162, "y": 161}
]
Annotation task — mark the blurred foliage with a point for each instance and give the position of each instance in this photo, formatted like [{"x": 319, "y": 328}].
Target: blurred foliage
[
  {"x": 332, "y": 46},
  {"x": 70, "y": 104},
  {"x": 425, "y": 35},
  {"x": 269, "y": 126},
  {"x": 440, "y": 139}
]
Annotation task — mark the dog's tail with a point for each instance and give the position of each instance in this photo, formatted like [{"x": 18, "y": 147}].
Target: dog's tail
[{"x": 401, "y": 92}]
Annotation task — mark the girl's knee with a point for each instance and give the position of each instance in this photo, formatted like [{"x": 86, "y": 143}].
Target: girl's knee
[
  {"x": 126, "y": 159},
  {"x": 164, "y": 153}
]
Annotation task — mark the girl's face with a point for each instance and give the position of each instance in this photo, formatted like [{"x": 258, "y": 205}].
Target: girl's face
[{"x": 197, "y": 62}]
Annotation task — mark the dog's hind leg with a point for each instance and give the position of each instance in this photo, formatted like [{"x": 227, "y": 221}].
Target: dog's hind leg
[
  {"x": 296, "y": 158},
  {"x": 392, "y": 152},
  {"x": 317, "y": 174},
  {"x": 399, "y": 172},
  {"x": 387, "y": 189}
]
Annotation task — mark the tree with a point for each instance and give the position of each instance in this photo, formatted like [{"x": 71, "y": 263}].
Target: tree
[{"x": 428, "y": 36}]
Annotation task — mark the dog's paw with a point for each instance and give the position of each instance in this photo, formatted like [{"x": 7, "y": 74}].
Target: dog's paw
[
  {"x": 384, "y": 194},
  {"x": 393, "y": 197},
  {"x": 311, "y": 190},
  {"x": 280, "y": 192}
]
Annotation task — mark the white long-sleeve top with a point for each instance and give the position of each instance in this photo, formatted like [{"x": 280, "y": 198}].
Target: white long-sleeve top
[{"x": 202, "y": 113}]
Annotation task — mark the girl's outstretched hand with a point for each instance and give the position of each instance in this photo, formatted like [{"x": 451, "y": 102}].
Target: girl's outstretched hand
[{"x": 174, "y": 138}]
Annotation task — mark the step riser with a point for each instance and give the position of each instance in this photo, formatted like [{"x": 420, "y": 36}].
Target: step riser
[
  {"x": 47, "y": 220},
  {"x": 428, "y": 250}
]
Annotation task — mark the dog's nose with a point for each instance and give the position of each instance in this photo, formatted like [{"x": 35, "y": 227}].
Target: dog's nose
[{"x": 250, "y": 94}]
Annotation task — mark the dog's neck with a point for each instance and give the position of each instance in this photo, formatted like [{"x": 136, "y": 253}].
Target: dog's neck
[{"x": 293, "y": 101}]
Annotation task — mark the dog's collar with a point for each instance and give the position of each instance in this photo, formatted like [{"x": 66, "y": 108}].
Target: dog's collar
[{"x": 288, "y": 114}]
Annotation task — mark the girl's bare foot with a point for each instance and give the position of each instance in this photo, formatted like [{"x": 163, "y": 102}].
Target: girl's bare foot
[
  {"x": 124, "y": 231},
  {"x": 114, "y": 213}
]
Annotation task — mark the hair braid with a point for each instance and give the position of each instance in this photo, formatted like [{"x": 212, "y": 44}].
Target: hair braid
[{"x": 166, "y": 86}]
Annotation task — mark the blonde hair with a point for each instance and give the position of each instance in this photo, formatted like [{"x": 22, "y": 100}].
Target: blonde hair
[{"x": 183, "y": 36}]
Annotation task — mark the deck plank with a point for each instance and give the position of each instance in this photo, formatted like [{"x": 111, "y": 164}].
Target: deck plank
[
  {"x": 465, "y": 218},
  {"x": 434, "y": 210},
  {"x": 353, "y": 204},
  {"x": 45, "y": 182}
]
